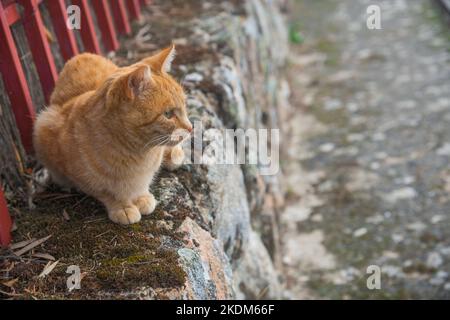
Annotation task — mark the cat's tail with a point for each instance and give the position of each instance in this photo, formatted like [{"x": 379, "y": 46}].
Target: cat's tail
[{"x": 46, "y": 129}]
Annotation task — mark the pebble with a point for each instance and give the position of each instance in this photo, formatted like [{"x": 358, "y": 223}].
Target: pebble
[
  {"x": 376, "y": 219},
  {"x": 327, "y": 147},
  {"x": 379, "y": 136},
  {"x": 392, "y": 271},
  {"x": 352, "y": 107},
  {"x": 405, "y": 180},
  {"x": 402, "y": 194},
  {"x": 416, "y": 226},
  {"x": 359, "y": 232},
  {"x": 193, "y": 77},
  {"x": 444, "y": 150},
  {"x": 355, "y": 137},
  {"x": 375, "y": 166},
  {"x": 408, "y": 264},
  {"x": 397, "y": 238},
  {"x": 390, "y": 254},
  {"x": 434, "y": 260},
  {"x": 437, "y": 218},
  {"x": 436, "y": 281}
]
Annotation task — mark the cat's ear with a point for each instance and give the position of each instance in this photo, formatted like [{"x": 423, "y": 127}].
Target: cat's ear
[
  {"x": 162, "y": 61},
  {"x": 137, "y": 81}
]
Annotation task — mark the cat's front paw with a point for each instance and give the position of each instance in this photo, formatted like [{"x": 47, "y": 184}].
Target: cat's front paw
[
  {"x": 175, "y": 158},
  {"x": 146, "y": 204},
  {"x": 126, "y": 215}
]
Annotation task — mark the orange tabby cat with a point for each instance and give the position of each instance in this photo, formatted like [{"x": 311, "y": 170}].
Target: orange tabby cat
[{"x": 108, "y": 130}]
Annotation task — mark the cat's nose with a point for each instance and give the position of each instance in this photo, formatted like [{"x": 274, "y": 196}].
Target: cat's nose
[
  {"x": 185, "y": 123},
  {"x": 188, "y": 127}
]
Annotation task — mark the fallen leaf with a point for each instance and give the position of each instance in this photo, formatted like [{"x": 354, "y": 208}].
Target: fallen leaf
[
  {"x": 65, "y": 215},
  {"x": 44, "y": 256},
  {"x": 10, "y": 283},
  {"x": 48, "y": 268},
  {"x": 21, "y": 244},
  {"x": 31, "y": 246}
]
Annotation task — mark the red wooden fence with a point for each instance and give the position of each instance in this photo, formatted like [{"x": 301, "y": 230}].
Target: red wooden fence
[{"x": 113, "y": 18}]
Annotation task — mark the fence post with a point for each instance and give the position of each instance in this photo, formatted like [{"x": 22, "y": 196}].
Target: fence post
[
  {"x": 105, "y": 24},
  {"x": 133, "y": 9},
  {"x": 5, "y": 222},
  {"x": 87, "y": 27},
  {"x": 120, "y": 16},
  {"x": 15, "y": 83},
  {"x": 66, "y": 38},
  {"x": 38, "y": 43}
]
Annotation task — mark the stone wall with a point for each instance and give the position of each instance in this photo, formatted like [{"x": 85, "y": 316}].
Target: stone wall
[
  {"x": 219, "y": 222},
  {"x": 236, "y": 82}
]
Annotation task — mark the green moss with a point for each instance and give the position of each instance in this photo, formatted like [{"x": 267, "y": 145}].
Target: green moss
[
  {"x": 112, "y": 258},
  {"x": 295, "y": 36}
]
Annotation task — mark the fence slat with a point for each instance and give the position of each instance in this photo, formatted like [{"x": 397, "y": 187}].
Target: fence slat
[
  {"x": 87, "y": 27},
  {"x": 38, "y": 43},
  {"x": 105, "y": 24},
  {"x": 11, "y": 13},
  {"x": 66, "y": 37},
  {"x": 145, "y": 2},
  {"x": 134, "y": 9},
  {"x": 15, "y": 83},
  {"x": 120, "y": 16},
  {"x": 5, "y": 221}
]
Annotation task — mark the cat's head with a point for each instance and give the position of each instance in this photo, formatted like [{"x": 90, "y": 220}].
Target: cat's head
[{"x": 151, "y": 105}]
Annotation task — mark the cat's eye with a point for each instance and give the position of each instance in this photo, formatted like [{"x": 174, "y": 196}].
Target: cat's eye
[{"x": 169, "y": 114}]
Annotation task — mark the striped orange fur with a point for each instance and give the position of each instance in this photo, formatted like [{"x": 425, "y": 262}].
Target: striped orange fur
[{"x": 108, "y": 130}]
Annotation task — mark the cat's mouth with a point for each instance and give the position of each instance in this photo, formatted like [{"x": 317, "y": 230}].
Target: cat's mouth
[{"x": 179, "y": 135}]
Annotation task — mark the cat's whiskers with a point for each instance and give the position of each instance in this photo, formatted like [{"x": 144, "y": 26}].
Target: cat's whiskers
[{"x": 161, "y": 139}]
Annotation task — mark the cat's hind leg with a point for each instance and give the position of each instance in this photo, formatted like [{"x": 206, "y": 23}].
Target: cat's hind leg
[
  {"x": 60, "y": 180},
  {"x": 44, "y": 177}
]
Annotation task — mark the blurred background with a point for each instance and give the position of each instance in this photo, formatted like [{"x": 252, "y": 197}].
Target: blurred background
[{"x": 372, "y": 141}]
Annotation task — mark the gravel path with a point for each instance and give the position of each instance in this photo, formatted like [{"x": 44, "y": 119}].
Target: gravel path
[{"x": 370, "y": 176}]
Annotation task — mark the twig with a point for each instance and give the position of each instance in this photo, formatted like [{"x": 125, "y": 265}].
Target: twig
[
  {"x": 101, "y": 234},
  {"x": 11, "y": 294},
  {"x": 45, "y": 256}
]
